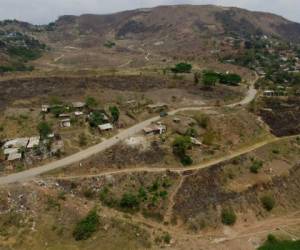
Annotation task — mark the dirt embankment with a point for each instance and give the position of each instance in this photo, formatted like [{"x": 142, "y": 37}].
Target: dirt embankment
[
  {"x": 282, "y": 115},
  {"x": 203, "y": 194}
]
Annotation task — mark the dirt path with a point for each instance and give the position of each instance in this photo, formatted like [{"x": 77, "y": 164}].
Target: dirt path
[
  {"x": 182, "y": 170},
  {"x": 169, "y": 213},
  {"x": 129, "y": 132}
]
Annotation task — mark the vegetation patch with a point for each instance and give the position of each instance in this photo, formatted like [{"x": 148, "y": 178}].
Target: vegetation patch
[
  {"x": 87, "y": 226},
  {"x": 268, "y": 202},
  {"x": 228, "y": 216}
]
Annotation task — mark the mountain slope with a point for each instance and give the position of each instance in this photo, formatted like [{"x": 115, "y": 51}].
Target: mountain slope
[{"x": 162, "y": 33}]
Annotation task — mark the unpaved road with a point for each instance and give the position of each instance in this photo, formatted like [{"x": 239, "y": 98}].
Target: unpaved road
[
  {"x": 122, "y": 135},
  {"x": 207, "y": 164}
]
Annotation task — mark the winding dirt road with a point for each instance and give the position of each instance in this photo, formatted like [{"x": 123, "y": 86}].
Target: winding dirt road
[{"x": 122, "y": 135}]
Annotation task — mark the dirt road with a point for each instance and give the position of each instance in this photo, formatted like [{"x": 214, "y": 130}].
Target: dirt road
[{"x": 122, "y": 135}]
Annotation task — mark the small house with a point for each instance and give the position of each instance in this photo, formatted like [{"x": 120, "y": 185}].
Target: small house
[
  {"x": 105, "y": 127},
  {"x": 66, "y": 123},
  {"x": 14, "y": 157},
  {"x": 33, "y": 142},
  {"x": 64, "y": 116},
  {"x": 155, "y": 129},
  {"x": 176, "y": 120},
  {"x": 57, "y": 146},
  {"x": 269, "y": 93},
  {"x": 45, "y": 108},
  {"x": 16, "y": 143},
  {"x": 9, "y": 151},
  {"x": 157, "y": 107},
  {"x": 196, "y": 141},
  {"x": 78, "y": 113},
  {"x": 78, "y": 105}
]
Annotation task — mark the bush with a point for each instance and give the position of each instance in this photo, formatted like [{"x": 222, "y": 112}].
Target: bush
[
  {"x": 268, "y": 202},
  {"x": 87, "y": 226},
  {"x": 180, "y": 145},
  {"x": 129, "y": 201},
  {"x": 256, "y": 166},
  {"x": 182, "y": 68},
  {"x": 186, "y": 160},
  {"x": 230, "y": 79},
  {"x": 228, "y": 217},
  {"x": 273, "y": 243}
]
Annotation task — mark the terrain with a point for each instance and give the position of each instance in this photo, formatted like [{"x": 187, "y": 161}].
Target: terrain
[
  {"x": 148, "y": 38},
  {"x": 174, "y": 127}
]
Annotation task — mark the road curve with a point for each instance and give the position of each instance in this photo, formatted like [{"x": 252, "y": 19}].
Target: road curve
[{"x": 84, "y": 154}]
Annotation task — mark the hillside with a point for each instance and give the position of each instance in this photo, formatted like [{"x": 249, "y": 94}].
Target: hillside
[{"x": 154, "y": 36}]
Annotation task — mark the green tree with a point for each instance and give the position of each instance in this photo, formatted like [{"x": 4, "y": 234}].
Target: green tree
[
  {"x": 44, "y": 129},
  {"x": 96, "y": 118},
  {"x": 210, "y": 78},
  {"x": 115, "y": 113}
]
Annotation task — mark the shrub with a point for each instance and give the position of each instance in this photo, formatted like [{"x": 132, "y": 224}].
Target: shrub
[
  {"x": 167, "y": 238},
  {"x": 256, "y": 166},
  {"x": 182, "y": 68},
  {"x": 129, "y": 201},
  {"x": 228, "y": 216},
  {"x": 87, "y": 226},
  {"x": 180, "y": 145},
  {"x": 192, "y": 132},
  {"x": 186, "y": 160},
  {"x": 268, "y": 202}
]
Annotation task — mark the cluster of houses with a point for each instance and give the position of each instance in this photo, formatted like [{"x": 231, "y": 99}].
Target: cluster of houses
[{"x": 79, "y": 110}]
